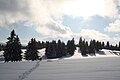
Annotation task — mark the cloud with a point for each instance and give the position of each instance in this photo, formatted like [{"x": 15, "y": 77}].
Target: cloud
[
  {"x": 47, "y": 15},
  {"x": 93, "y": 34},
  {"x": 54, "y": 29},
  {"x": 43, "y": 11},
  {"x": 114, "y": 26},
  {"x": 89, "y": 8},
  {"x": 12, "y": 11}
]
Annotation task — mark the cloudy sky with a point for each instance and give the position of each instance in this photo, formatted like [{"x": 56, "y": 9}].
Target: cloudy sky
[{"x": 60, "y": 19}]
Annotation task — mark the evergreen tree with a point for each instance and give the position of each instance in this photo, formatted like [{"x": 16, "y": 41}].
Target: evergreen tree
[
  {"x": 39, "y": 45},
  {"x": 32, "y": 53},
  {"x": 47, "y": 50},
  {"x": 64, "y": 53},
  {"x": 92, "y": 47},
  {"x": 83, "y": 45},
  {"x": 103, "y": 45},
  {"x": 107, "y": 45},
  {"x": 119, "y": 46},
  {"x": 43, "y": 45},
  {"x": 97, "y": 46},
  {"x": 51, "y": 50},
  {"x": 12, "y": 51},
  {"x": 59, "y": 49},
  {"x": 0, "y": 47},
  {"x": 84, "y": 48},
  {"x": 80, "y": 43},
  {"x": 71, "y": 47}
]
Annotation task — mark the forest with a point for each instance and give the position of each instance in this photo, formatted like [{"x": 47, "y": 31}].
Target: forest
[{"x": 55, "y": 49}]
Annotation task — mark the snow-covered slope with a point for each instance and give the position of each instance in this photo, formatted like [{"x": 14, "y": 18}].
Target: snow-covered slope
[
  {"x": 101, "y": 53},
  {"x": 65, "y": 69}
]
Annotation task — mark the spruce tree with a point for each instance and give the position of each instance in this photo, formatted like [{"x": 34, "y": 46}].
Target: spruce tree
[
  {"x": 51, "y": 50},
  {"x": 71, "y": 47},
  {"x": 92, "y": 48},
  {"x": 119, "y": 46},
  {"x": 64, "y": 53},
  {"x": 107, "y": 45},
  {"x": 80, "y": 43},
  {"x": 47, "y": 50},
  {"x": 12, "y": 51},
  {"x": 32, "y": 53},
  {"x": 59, "y": 49},
  {"x": 103, "y": 45},
  {"x": 84, "y": 48},
  {"x": 0, "y": 47}
]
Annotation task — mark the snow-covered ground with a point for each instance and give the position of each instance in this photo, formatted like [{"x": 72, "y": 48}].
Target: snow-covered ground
[
  {"x": 104, "y": 66},
  {"x": 64, "y": 69}
]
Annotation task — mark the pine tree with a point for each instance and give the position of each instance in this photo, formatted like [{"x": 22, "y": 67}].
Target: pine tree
[
  {"x": 92, "y": 48},
  {"x": 51, "y": 50},
  {"x": 32, "y": 53},
  {"x": 119, "y": 46},
  {"x": 59, "y": 49},
  {"x": 71, "y": 47},
  {"x": 103, "y": 45},
  {"x": 0, "y": 47},
  {"x": 97, "y": 46},
  {"x": 107, "y": 45},
  {"x": 80, "y": 43},
  {"x": 64, "y": 53},
  {"x": 47, "y": 50},
  {"x": 84, "y": 48},
  {"x": 39, "y": 45},
  {"x": 13, "y": 48}
]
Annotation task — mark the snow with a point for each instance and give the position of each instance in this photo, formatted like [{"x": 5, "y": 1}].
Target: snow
[
  {"x": 104, "y": 66},
  {"x": 12, "y": 70},
  {"x": 41, "y": 52},
  {"x": 101, "y": 53},
  {"x": 65, "y": 69},
  {"x": 77, "y": 54},
  {"x": 76, "y": 69}
]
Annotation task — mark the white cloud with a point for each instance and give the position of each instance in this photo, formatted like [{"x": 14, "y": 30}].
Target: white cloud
[
  {"x": 91, "y": 7},
  {"x": 93, "y": 34},
  {"x": 113, "y": 27},
  {"x": 54, "y": 29},
  {"x": 47, "y": 14},
  {"x": 43, "y": 11}
]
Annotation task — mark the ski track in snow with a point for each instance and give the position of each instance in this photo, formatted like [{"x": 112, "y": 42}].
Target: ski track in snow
[{"x": 26, "y": 73}]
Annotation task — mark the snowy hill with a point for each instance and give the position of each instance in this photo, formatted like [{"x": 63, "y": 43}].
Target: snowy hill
[{"x": 101, "y": 53}]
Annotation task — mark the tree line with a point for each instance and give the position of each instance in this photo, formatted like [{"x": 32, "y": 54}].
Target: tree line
[
  {"x": 13, "y": 52},
  {"x": 94, "y": 46},
  {"x": 59, "y": 49}
]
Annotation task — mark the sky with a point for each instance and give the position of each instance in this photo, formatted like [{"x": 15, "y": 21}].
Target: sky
[{"x": 48, "y": 20}]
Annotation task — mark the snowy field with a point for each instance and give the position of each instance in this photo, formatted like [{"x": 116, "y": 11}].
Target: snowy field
[
  {"x": 104, "y": 66},
  {"x": 64, "y": 69}
]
